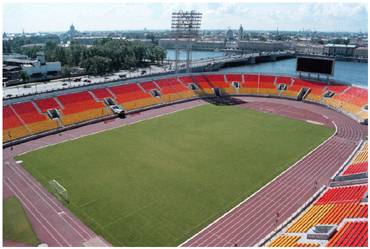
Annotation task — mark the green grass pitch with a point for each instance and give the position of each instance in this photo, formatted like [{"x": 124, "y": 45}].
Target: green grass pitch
[
  {"x": 16, "y": 226},
  {"x": 158, "y": 182}
]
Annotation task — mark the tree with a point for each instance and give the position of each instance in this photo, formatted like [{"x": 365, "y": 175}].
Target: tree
[
  {"x": 24, "y": 76},
  {"x": 97, "y": 65}
]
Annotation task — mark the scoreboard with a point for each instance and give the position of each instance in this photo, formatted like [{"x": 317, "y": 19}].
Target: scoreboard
[{"x": 315, "y": 65}]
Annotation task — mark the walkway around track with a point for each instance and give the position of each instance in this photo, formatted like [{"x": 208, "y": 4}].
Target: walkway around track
[
  {"x": 245, "y": 225},
  {"x": 260, "y": 214}
]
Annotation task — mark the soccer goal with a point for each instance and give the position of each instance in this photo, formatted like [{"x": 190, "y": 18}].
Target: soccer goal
[{"x": 59, "y": 191}]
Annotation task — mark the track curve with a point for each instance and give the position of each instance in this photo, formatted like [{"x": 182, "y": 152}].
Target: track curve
[
  {"x": 259, "y": 215},
  {"x": 245, "y": 225}
]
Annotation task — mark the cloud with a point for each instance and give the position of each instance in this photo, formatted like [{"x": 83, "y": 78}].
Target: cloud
[{"x": 121, "y": 16}]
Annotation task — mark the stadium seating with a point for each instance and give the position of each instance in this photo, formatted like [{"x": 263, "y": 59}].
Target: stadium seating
[
  {"x": 203, "y": 83},
  {"x": 234, "y": 77},
  {"x": 250, "y": 84},
  {"x": 30, "y": 117},
  {"x": 172, "y": 90},
  {"x": 13, "y": 127},
  {"x": 131, "y": 96},
  {"x": 35, "y": 121},
  {"x": 267, "y": 85},
  {"x": 218, "y": 80},
  {"x": 284, "y": 241},
  {"x": 342, "y": 206},
  {"x": 46, "y": 104},
  {"x": 80, "y": 107},
  {"x": 352, "y": 234},
  {"x": 343, "y": 195},
  {"x": 102, "y": 93},
  {"x": 28, "y": 112},
  {"x": 356, "y": 168}
]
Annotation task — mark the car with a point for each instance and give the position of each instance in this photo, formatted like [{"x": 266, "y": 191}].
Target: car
[{"x": 116, "y": 109}]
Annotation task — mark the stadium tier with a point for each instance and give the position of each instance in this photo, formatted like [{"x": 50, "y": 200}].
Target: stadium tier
[
  {"x": 101, "y": 93},
  {"x": 343, "y": 208},
  {"x": 28, "y": 118},
  {"x": 352, "y": 234}
]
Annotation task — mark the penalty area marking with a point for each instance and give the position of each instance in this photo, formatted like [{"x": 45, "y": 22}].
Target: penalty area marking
[{"x": 314, "y": 122}]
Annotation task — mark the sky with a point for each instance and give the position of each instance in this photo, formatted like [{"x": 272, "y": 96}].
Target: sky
[{"x": 49, "y": 17}]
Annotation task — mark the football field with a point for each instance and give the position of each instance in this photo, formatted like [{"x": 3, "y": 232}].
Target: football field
[{"x": 158, "y": 182}]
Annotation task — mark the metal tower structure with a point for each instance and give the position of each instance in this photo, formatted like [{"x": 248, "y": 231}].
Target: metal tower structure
[{"x": 185, "y": 27}]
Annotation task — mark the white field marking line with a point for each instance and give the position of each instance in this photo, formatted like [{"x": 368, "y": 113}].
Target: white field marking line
[
  {"x": 314, "y": 122},
  {"x": 313, "y": 177},
  {"x": 281, "y": 215},
  {"x": 342, "y": 147},
  {"x": 46, "y": 200},
  {"x": 268, "y": 237},
  {"x": 116, "y": 127},
  {"x": 259, "y": 201},
  {"x": 27, "y": 181},
  {"x": 291, "y": 219},
  {"x": 87, "y": 203},
  {"x": 201, "y": 231},
  {"x": 37, "y": 211},
  {"x": 129, "y": 214},
  {"x": 346, "y": 163},
  {"x": 281, "y": 203},
  {"x": 32, "y": 213},
  {"x": 283, "y": 184}
]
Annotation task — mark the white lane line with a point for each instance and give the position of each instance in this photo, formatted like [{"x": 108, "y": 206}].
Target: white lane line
[
  {"x": 265, "y": 186},
  {"x": 47, "y": 202},
  {"x": 32, "y": 213},
  {"x": 37, "y": 211}
]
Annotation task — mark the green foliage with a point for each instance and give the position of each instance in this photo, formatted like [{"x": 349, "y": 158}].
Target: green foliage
[
  {"x": 158, "y": 182},
  {"x": 114, "y": 54},
  {"x": 97, "y": 65},
  {"x": 16, "y": 226},
  {"x": 24, "y": 76}
]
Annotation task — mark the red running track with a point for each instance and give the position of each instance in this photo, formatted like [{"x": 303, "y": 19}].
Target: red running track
[
  {"x": 53, "y": 223},
  {"x": 245, "y": 225},
  {"x": 259, "y": 215}
]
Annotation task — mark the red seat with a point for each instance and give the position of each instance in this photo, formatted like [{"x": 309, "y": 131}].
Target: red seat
[
  {"x": 234, "y": 77},
  {"x": 10, "y": 120},
  {"x": 46, "y": 104},
  {"x": 28, "y": 112},
  {"x": 343, "y": 194},
  {"x": 101, "y": 93},
  {"x": 78, "y": 102}
]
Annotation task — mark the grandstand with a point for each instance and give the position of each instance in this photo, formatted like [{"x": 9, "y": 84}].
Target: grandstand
[
  {"x": 342, "y": 207},
  {"x": 336, "y": 217},
  {"x": 29, "y": 118}
]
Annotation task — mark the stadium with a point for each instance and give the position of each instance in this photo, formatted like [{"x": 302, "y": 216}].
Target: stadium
[{"x": 200, "y": 159}]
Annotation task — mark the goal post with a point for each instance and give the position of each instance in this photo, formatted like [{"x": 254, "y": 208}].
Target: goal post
[{"x": 59, "y": 191}]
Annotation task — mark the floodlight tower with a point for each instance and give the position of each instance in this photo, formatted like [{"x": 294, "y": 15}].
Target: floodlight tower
[{"x": 185, "y": 26}]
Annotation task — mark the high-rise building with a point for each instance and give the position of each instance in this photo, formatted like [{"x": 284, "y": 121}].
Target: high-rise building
[{"x": 241, "y": 32}]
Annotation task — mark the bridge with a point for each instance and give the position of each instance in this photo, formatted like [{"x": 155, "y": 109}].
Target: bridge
[
  {"x": 216, "y": 63},
  {"x": 203, "y": 65}
]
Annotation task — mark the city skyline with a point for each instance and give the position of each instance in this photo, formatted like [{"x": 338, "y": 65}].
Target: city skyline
[{"x": 57, "y": 17}]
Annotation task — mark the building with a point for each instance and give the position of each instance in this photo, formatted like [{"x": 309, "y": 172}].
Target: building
[
  {"x": 229, "y": 35},
  {"x": 309, "y": 49},
  {"x": 339, "y": 50},
  {"x": 41, "y": 67},
  {"x": 241, "y": 32},
  {"x": 361, "y": 52},
  {"x": 200, "y": 45},
  {"x": 261, "y": 46}
]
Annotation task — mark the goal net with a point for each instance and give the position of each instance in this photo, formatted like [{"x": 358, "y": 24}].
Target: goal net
[{"x": 59, "y": 191}]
